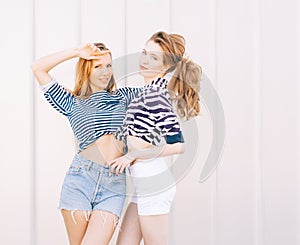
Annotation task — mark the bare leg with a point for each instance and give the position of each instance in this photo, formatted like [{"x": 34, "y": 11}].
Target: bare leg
[
  {"x": 76, "y": 224},
  {"x": 100, "y": 228},
  {"x": 130, "y": 233},
  {"x": 154, "y": 229}
]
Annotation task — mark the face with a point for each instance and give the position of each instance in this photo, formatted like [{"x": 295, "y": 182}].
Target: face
[
  {"x": 101, "y": 73},
  {"x": 151, "y": 61}
]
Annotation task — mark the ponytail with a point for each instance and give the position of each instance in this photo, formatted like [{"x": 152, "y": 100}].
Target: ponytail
[{"x": 185, "y": 87}]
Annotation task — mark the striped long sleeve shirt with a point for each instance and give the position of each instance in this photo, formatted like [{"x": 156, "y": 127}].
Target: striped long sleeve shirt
[{"x": 102, "y": 113}]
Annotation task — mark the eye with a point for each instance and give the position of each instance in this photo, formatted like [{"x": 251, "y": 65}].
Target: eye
[
  {"x": 154, "y": 57},
  {"x": 97, "y": 66},
  {"x": 109, "y": 65},
  {"x": 144, "y": 52}
]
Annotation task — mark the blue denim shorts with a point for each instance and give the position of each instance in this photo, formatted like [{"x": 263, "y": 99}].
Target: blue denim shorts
[{"x": 90, "y": 186}]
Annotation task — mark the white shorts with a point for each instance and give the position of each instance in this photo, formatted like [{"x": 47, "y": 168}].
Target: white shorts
[{"x": 154, "y": 186}]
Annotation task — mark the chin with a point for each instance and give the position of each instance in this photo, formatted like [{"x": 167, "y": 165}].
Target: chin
[
  {"x": 143, "y": 73},
  {"x": 147, "y": 73}
]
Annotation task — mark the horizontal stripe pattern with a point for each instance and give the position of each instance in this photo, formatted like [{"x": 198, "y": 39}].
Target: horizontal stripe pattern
[
  {"x": 102, "y": 113},
  {"x": 150, "y": 116}
]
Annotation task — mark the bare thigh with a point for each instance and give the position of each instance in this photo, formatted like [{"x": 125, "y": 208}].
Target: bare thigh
[
  {"x": 130, "y": 232},
  {"x": 96, "y": 228},
  {"x": 76, "y": 223},
  {"x": 154, "y": 229},
  {"x": 100, "y": 229}
]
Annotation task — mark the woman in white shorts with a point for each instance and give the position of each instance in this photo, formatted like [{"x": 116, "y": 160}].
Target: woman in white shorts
[{"x": 150, "y": 120}]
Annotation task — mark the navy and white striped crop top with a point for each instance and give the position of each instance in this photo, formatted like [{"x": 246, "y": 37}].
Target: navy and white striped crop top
[
  {"x": 150, "y": 116},
  {"x": 102, "y": 113}
]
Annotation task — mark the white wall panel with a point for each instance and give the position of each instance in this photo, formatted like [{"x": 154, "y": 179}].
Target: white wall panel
[
  {"x": 236, "y": 192},
  {"x": 143, "y": 18},
  {"x": 56, "y": 28},
  {"x": 193, "y": 211},
  {"x": 195, "y": 21},
  {"x": 104, "y": 21},
  {"x": 16, "y": 121},
  {"x": 191, "y": 219},
  {"x": 280, "y": 122}
]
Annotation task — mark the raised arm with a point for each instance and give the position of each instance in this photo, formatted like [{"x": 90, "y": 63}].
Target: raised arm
[{"x": 42, "y": 66}]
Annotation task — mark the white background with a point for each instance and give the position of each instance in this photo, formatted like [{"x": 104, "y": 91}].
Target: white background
[{"x": 250, "y": 51}]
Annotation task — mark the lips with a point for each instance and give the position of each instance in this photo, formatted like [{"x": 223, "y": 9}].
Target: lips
[
  {"x": 103, "y": 79},
  {"x": 143, "y": 68}
]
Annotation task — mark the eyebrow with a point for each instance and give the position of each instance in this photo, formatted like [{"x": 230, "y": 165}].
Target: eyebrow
[
  {"x": 98, "y": 63},
  {"x": 152, "y": 53}
]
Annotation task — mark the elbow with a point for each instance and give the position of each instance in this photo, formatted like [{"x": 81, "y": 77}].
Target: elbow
[
  {"x": 181, "y": 148},
  {"x": 34, "y": 67},
  {"x": 38, "y": 67}
]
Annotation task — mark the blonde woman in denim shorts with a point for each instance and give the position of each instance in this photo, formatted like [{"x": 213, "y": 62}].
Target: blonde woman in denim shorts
[{"x": 91, "y": 197}]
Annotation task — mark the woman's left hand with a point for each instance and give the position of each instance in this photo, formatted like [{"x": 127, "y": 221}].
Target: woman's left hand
[
  {"x": 89, "y": 51},
  {"x": 119, "y": 164}
]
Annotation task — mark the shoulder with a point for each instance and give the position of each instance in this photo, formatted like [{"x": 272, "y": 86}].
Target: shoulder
[
  {"x": 157, "y": 93},
  {"x": 55, "y": 88}
]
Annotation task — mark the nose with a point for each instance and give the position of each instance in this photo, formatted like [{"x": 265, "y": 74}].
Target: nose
[
  {"x": 105, "y": 71},
  {"x": 144, "y": 59}
]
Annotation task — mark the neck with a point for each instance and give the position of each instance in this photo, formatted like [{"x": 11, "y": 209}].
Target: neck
[
  {"x": 150, "y": 79},
  {"x": 96, "y": 89}
]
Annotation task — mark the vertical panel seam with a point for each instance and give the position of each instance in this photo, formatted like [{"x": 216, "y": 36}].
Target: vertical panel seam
[
  {"x": 258, "y": 110},
  {"x": 125, "y": 41},
  {"x": 215, "y": 189},
  {"x": 172, "y": 221},
  {"x": 32, "y": 226},
  {"x": 79, "y": 37},
  {"x": 170, "y": 15}
]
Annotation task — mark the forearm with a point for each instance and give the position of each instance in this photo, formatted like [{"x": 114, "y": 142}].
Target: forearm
[
  {"x": 42, "y": 66},
  {"x": 157, "y": 151}
]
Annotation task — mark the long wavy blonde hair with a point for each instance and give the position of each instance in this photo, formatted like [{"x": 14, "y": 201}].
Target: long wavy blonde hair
[
  {"x": 184, "y": 86},
  {"x": 82, "y": 87}
]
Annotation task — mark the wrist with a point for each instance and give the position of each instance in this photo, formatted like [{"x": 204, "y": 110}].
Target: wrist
[
  {"x": 130, "y": 156},
  {"x": 75, "y": 53}
]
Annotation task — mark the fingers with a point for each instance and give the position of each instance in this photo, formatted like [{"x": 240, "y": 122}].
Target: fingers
[
  {"x": 92, "y": 46},
  {"x": 117, "y": 167},
  {"x": 96, "y": 50},
  {"x": 95, "y": 57},
  {"x": 114, "y": 166},
  {"x": 122, "y": 169}
]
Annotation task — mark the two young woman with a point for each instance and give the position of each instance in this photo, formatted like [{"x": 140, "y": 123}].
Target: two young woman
[{"x": 92, "y": 198}]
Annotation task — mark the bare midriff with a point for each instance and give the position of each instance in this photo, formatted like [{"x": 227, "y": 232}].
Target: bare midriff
[
  {"x": 105, "y": 149},
  {"x": 136, "y": 143}
]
